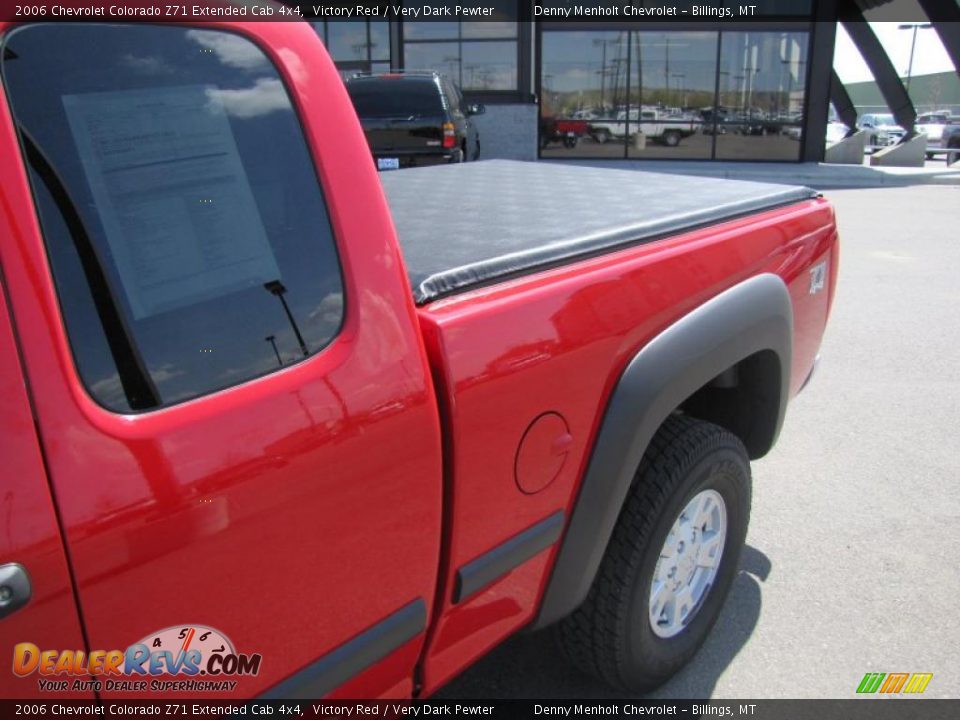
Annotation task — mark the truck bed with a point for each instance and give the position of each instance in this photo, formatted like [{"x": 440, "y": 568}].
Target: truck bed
[{"x": 463, "y": 226}]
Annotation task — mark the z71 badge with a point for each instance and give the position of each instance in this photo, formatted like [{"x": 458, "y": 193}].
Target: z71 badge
[{"x": 818, "y": 277}]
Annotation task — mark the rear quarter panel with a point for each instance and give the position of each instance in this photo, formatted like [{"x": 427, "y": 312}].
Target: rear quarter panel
[{"x": 557, "y": 342}]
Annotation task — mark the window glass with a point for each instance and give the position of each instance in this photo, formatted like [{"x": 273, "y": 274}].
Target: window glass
[
  {"x": 454, "y": 99},
  {"x": 402, "y": 96},
  {"x": 427, "y": 30},
  {"x": 584, "y": 80},
  {"x": 478, "y": 56},
  {"x": 762, "y": 80},
  {"x": 489, "y": 30},
  {"x": 441, "y": 57},
  {"x": 489, "y": 66},
  {"x": 379, "y": 40},
  {"x": 348, "y": 40},
  {"x": 673, "y": 79},
  {"x": 189, "y": 254},
  {"x": 355, "y": 41},
  {"x": 661, "y": 95}
]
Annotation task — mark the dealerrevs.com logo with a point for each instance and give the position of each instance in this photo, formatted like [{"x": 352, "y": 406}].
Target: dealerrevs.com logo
[{"x": 185, "y": 658}]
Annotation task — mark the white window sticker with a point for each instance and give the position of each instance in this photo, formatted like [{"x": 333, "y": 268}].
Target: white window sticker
[{"x": 172, "y": 194}]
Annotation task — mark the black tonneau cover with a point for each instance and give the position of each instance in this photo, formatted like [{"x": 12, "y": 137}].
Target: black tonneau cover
[{"x": 462, "y": 226}]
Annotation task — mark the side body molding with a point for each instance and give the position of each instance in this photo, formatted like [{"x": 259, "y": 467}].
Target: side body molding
[{"x": 753, "y": 316}]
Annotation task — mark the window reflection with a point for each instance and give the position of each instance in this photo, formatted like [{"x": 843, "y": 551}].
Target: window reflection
[
  {"x": 762, "y": 80},
  {"x": 441, "y": 57},
  {"x": 583, "y": 87},
  {"x": 478, "y": 56},
  {"x": 676, "y": 79},
  {"x": 661, "y": 95},
  {"x": 355, "y": 41}
]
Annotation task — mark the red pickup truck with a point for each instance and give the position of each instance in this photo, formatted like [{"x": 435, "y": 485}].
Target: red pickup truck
[{"x": 275, "y": 425}]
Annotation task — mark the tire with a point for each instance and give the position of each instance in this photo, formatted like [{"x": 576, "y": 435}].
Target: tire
[
  {"x": 602, "y": 136},
  {"x": 671, "y": 139},
  {"x": 570, "y": 143},
  {"x": 612, "y": 636}
]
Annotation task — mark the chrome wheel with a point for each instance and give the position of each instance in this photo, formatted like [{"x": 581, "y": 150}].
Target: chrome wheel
[{"x": 688, "y": 563}]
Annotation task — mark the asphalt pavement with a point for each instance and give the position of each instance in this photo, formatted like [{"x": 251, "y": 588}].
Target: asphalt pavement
[{"x": 852, "y": 562}]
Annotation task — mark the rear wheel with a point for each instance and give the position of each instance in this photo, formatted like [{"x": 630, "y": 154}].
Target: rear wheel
[
  {"x": 671, "y": 139},
  {"x": 670, "y": 562},
  {"x": 601, "y": 136}
]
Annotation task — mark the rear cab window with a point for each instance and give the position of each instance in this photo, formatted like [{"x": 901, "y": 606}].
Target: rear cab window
[
  {"x": 395, "y": 97},
  {"x": 186, "y": 229}
]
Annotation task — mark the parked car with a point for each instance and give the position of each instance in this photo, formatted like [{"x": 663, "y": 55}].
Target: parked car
[
  {"x": 933, "y": 125},
  {"x": 277, "y": 425},
  {"x": 757, "y": 122},
  {"x": 883, "y": 129},
  {"x": 655, "y": 125},
  {"x": 414, "y": 118},
  {"x": 950, "y": 141},
  {"x": 562, "y": 130},
  {"x": 715, "y": 120}
]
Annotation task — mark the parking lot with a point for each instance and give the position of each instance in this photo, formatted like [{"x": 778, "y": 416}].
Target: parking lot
[
  {"x": 730, "y": 146},
  {"x": 852, "y": 557}
]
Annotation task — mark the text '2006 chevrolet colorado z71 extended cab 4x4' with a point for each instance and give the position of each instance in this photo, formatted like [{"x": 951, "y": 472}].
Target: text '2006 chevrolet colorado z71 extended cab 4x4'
[{"x": 272, "y": 421}]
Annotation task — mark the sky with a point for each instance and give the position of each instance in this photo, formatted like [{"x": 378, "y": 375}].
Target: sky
[{"x": 929, "y": 55}]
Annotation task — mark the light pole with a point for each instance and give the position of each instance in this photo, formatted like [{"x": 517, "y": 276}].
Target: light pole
[
  {"x": 913, "y": 45},
  {"x": 751, "y": 78},
  {"x": 602, "y": 42},
  {"x": 681, "y": 77},
  {"x": 789, "y": 64},
  {"x": 743, "y": 90}
]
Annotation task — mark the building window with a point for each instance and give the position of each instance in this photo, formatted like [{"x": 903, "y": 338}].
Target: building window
[
  {"x": 762, "y": 91},
  {"x": 673, "y": 83},
  {"x": 479, "y": 56},
  {"x": 356, "y": 45},
  {"x": 662, "y": 95}
]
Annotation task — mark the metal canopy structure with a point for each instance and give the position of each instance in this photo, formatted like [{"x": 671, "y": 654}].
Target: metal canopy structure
[{"x": 884, "y": 73}]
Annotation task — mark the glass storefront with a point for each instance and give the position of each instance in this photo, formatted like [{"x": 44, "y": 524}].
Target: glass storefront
[
  {"x": 356, "y": 45},
  {"x": 611, "y": 90},
  {"x": 672, "y": 95},
  {"x": 478, "y": 56},
  {"x": 762, "y": 80}
]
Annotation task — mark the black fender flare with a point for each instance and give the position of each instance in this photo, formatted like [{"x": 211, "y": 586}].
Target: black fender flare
[{"x": 753, "y": 316}]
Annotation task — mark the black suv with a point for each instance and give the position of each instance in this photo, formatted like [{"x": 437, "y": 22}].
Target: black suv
[{"x": 414, "y": 118}]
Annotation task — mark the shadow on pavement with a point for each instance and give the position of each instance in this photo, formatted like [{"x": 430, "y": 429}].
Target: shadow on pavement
[{"x": 531, "y": 666}]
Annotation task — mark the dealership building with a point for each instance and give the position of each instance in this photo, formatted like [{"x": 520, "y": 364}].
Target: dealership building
[{"x": 724, "y": 82}]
